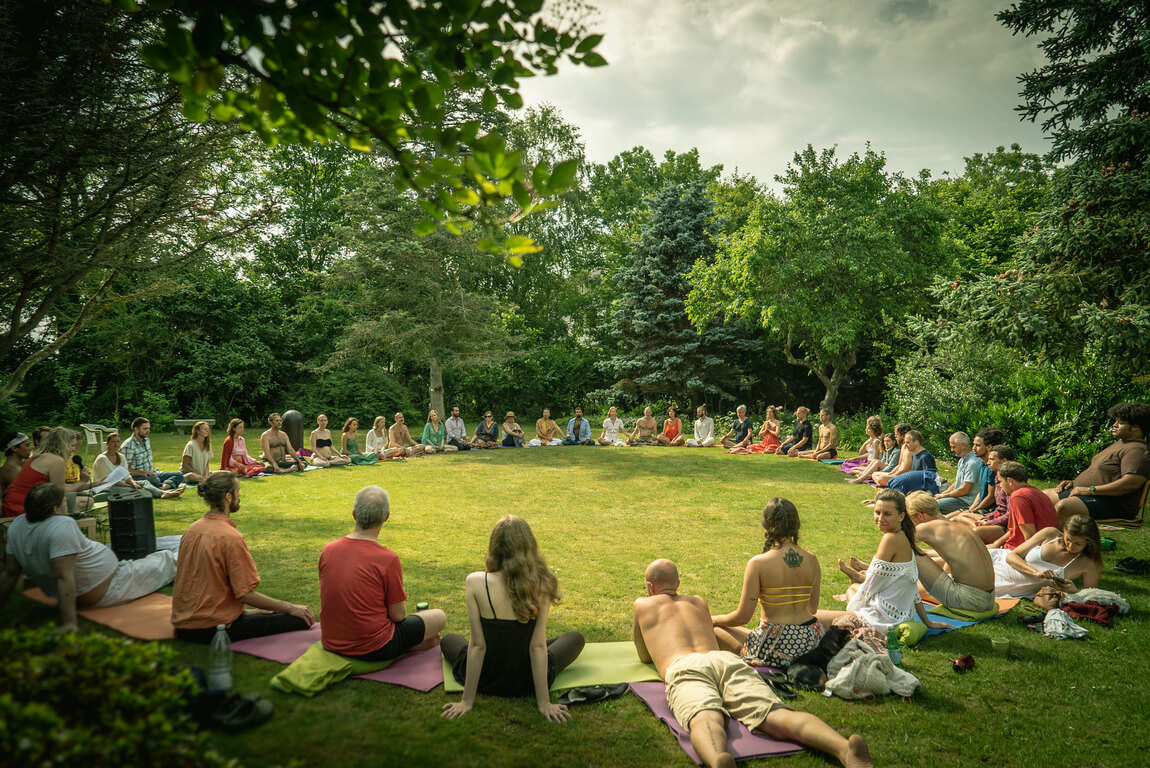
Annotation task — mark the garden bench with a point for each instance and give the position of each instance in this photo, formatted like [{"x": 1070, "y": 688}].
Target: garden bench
[{"x": 182, "y": 424}]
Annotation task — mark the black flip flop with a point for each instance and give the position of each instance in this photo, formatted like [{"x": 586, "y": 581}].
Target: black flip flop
[
  {"x": 782, "y": 685},
  {"x": 593, "y": 694},
  {"x": 241, "y": 712}
]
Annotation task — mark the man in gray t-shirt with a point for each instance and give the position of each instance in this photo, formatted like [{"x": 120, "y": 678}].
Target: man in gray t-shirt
[
  {"x": 965, "y": 487},
  {"x": 47, "y": 545}
]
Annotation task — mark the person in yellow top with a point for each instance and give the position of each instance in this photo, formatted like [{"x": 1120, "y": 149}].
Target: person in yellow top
[{"x": 547, "y": 432}]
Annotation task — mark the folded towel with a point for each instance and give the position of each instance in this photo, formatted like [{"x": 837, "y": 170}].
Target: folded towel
[{"x": 317, "y": 669}]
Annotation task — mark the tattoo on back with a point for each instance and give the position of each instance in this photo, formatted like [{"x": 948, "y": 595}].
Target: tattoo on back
[{"x": 793, "y": 559}]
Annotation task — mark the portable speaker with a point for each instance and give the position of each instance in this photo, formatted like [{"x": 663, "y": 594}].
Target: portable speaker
[{"x": 133, "y": 527}]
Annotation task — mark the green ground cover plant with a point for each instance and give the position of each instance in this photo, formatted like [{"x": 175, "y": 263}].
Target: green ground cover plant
[{"x": 600, "y": 516}]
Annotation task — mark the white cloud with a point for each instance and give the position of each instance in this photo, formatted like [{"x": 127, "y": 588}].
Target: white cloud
[{"x": 750, "y": 82}]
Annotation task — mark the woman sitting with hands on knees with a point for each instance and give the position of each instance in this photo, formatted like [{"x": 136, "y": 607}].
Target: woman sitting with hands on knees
[
  {"x": 785, "y": 580},
  {"x": 323, "y": 450},
  {"x": 888, "y": 594},
  {"x": 1050, "y": 558},
  {"x": 507, "y": 607}
]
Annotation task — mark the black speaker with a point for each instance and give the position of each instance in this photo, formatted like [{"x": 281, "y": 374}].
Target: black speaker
[{"x": 133, "y": 527}]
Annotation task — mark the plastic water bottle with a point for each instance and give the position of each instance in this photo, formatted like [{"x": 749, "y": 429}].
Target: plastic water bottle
[
  {"x": 220, "y": 662},
  {"x": 893, "y": 649}
]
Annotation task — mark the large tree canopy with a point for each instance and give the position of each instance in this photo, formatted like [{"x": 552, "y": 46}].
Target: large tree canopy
[
  {"x": 849, "y": 246},
  {"x": 101, "y": 177},
  {"x": 363, "y": 72}
]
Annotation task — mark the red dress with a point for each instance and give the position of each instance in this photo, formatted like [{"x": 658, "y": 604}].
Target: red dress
[
  {"x": 769, "y": 442},
  {"x": 27, "y": 479}
]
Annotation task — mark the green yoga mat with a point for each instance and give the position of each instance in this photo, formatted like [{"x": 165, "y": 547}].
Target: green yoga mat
[{"x": 599, "y": 664}]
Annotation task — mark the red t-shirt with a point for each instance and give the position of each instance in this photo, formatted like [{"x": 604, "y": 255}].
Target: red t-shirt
[
  {"x": 1028, "y": 505},
  {"x": 358, "y": 580}
]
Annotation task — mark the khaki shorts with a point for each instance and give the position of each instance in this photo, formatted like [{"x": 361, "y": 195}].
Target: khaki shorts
[
  {"x": 962, "y": 597},
  {"x": 721, "y": 681}
]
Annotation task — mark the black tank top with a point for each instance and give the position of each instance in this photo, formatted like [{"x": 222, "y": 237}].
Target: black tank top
[{"x": 507, "y": 662}]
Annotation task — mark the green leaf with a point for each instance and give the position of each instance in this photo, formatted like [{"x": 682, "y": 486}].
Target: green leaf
[
  {"x": 539, "y": 179},
  {"x": 521, "y": 195},
  {"x": 466, "y": 196},
  {"x": 563, "y": 176},
  {"x": 521, "y": 244},
  {"x": 425, "y": 228},
  {"x": 488, "y": 245},
  {"x": 588, "y": 43},
  {"x": 594, "y": 60}
]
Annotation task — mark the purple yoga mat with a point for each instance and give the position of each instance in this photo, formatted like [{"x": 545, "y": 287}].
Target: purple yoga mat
[
  {"x": 741, "y": 743},
  {"x": 420, "y": 671}
]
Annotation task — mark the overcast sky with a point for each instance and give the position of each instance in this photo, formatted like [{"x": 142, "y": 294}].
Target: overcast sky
[{"x": 749, "y": 82}]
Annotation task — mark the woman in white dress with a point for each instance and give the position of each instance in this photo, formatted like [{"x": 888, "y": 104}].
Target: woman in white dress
[
  {"x": 378, "y": 441},
  {"x": 197, "y": 459},
  {"x": 888, "y": 594},
  {"x": 1050, "y": 558},
  {"x": 612, "y": 426}
]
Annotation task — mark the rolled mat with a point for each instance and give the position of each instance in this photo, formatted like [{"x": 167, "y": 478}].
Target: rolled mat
[
  {"x": 145, "y": 618},
  {"x": 420, "y": 671},
  {"x": 598, "y": 664},
  {"x": 743, "y": 744}
]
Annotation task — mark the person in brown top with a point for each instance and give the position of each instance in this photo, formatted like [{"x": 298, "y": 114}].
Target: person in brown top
[
  {"x": 707, "y": 686},
  {"x": 216, "y": 577},
  {"x": 1111, "y": 487}
]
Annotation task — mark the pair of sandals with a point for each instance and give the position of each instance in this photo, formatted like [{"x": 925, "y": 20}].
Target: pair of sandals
[
  {"x": 241, "y": 711},
  {"x": 1133, "y": 566}
]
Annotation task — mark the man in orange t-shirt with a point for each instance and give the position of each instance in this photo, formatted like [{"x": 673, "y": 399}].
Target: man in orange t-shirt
[
  {"x": 1030, "y": 509},
  {"x": 216, "y": 577},
  {"x": 363, "y": 602}
]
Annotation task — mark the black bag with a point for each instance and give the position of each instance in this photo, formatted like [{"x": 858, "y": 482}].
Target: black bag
[{"x": 809, "y": 671}]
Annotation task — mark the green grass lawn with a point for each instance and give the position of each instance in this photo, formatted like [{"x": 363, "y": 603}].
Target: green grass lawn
[{"x": 600, "y": 515}]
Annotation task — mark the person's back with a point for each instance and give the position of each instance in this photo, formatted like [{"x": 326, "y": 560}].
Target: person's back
[
  {"x": 964, "y": 552},
  {"x": 358, "y": 580},
  {"x": 673, "y": 626},
  {"x": 787, "y": 578}
]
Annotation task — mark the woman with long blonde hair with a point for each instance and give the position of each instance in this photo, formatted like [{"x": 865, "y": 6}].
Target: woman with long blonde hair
[{"x": 507, "y": 607}]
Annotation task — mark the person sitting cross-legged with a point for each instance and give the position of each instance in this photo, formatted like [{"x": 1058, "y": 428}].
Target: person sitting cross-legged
[
  {"x": 137, "y": 449},
  {"x": 401, "y": 438},
  {"x": 784, "y": 580},
  {"x": 801, "y": 435},
  {"x": 578, "y": 430},
  {"x": 704, "y": 430},
  {"x": 923, "y": 472},
  {"x": 486, "y": 433},
  {"x": 827, "y": 445},
  {"x": 706, "y": 685},
  {"x": 672, "y": 433},
  {"x": 362, "y": 599},
  {"x": 277, "y": 448},
  {"x": 547, "y": 432},
  {"x": 216, "y": 576},
  {"x": 47, "y": 545},
  {"x": 612, "y": 426},
  {"x": 965, "y": 489},
  {"x": 457, "y": 430},
  {"x": 644, "y": 431},
  {"x": 741, "y": 433},
  {"x": 434, "y": 439}
]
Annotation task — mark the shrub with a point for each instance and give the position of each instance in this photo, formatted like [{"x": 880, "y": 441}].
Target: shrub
[{"x": 94, "y": 700}]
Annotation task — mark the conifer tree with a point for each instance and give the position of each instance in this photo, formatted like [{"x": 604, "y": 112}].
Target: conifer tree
[{"x": 662, "y": 353}]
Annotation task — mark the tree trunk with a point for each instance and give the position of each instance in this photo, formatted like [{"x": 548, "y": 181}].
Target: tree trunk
[
  {"x": 436, "y": 388},
  {"x": 832, "y": 386},
  {"x": 832, "y": 382}
]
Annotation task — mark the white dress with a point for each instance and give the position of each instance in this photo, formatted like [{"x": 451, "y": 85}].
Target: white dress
[
  {"x": 887, "y": 595},
  {"x": 1009, "y": 582},
  {"x": 376, "y": 442},
  {"x": 612, "y": 428}
]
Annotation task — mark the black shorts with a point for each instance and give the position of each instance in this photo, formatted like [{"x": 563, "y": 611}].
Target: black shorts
[
  {"x": 830, "y": 453},
  {"x": 408, "y": 634},
  {"x": 1102, "y": 507}
]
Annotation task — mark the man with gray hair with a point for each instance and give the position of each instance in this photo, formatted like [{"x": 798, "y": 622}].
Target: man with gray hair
[
  {"x": 962, "y": 492},
  {"x": 362, "y": 599},
  {"x": 742, "y": 430}
]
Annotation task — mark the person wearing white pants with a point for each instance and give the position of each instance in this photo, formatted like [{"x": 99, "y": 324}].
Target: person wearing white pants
[{"x": 704, "y": 430}]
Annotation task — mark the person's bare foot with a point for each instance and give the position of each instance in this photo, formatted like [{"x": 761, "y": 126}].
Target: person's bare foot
[
  {"x": 857, "y": 754},
  {"x": 857, "y": 564},
  {"x": 867, "y": 502},
  {"x": 430, "y": 642},
  {"x": 725, "y": 760},
  {"x": 855, "y": 480},
  {"x": 172, "y": 493},
  {"x": 851, "y": 573}
]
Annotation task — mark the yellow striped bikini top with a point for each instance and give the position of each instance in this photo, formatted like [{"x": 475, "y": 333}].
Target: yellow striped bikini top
[{"x": 785, "y": 595}]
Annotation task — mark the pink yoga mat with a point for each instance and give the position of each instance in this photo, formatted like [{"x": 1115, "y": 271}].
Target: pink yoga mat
[
  {"x": 741, "y": 743},
  {"x": 420, "y": 671}
]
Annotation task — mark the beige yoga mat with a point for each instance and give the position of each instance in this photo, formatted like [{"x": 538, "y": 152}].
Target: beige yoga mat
[
  {"x": 599, "y": 664},
  {"x": 147, "y": 618}
]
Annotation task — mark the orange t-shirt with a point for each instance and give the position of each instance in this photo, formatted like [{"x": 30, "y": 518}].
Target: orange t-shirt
[
  {"x": 671, "y": 429},
  {"x": 214, "y": 571}
]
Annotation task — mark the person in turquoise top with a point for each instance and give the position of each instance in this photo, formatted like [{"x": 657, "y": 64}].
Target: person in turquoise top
[
  {"x": 435, "y": 435},
  {"x": 349, "y": 446}
]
